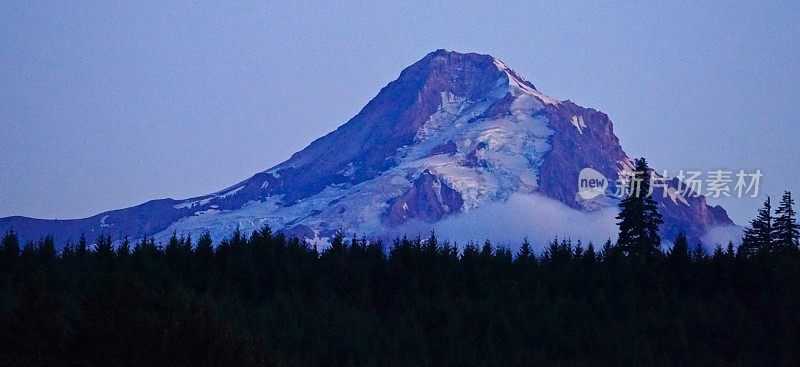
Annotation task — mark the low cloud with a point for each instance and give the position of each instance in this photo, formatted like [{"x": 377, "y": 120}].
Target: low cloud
[
  {"x": 721, "y": 235},
  {"x": 522, "y": 216}
]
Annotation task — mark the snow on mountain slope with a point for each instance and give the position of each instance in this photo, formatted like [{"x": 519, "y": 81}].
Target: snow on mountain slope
[
  {"x": 480, "y": 159},
  {"x": 455, "y": 134}
]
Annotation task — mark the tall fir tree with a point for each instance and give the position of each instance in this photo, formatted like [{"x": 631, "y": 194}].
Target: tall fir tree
[
  {"x": 639, "y": 218},
  {"x": 785, "y": 230},
  {"x": 525, "y": 253},
  {"x": 205, "y": 248},
  {"x": 9, "y": 252},
  {"x": 10, "y": 246},
  {"x": 105, "y": 247},
  {"x": 758, "y": 237},
  {"x": 679, "y": 254},
  {"x": 83, "y": 247},
  {"x": 124, "y": 248}
]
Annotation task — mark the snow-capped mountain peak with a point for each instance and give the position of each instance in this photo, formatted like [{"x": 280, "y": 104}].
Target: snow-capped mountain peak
[{"x": 455, "y": 136}]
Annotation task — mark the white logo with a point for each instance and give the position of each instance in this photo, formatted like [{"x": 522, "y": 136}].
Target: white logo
[{"x": 591, "y": 183}]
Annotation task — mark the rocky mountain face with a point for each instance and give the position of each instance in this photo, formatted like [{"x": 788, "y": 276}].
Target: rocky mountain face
[{"x": 453, "y": 133}]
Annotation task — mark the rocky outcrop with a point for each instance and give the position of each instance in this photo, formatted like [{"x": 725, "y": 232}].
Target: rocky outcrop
[{"x": 429, "y": 200}]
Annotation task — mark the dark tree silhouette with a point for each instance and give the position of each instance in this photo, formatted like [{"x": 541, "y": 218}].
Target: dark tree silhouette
[
  {"x": 251, "y": 301},
  {"x": 758, "y": 237},
  {"x": 639, "y": 219},
  {"x": 785, "y": 230}
]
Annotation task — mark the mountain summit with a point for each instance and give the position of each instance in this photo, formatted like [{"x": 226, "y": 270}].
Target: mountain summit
[{"x": 456, "y": 141}]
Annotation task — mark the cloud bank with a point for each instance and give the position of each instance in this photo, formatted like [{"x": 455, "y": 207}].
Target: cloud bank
[{"x": 530, "y": 216}]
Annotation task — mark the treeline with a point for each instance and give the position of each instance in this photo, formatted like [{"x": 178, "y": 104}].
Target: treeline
[{"x": 265, "y": 299}]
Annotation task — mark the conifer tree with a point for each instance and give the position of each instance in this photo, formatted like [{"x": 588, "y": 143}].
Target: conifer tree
[
  {"x": 699, "y": 252},
  {"x": 205, "y": 248},
  {"x": 124, "y": 248},
  {"x": 680, "y": 250},
  {"x": 83, "y": 248},
  {"x": 590, "y": 255},
  {"x": 729, "y": 250},
  {"x": 172, "y": 249},
  {"x": 785, "y": 230},
  {"x": 204, "y": 259},
  {"x": 639, "y": 218},
  {"x": 46, "y": 249},
  {"x": 525, "y": 254},
  {"x": 104, "y": 247},
  {"x": 10, "y": 246},
  {"x": 758, "y": 237}
]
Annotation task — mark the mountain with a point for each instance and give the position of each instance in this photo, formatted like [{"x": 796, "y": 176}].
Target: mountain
[{"x": 455, "y": 142}]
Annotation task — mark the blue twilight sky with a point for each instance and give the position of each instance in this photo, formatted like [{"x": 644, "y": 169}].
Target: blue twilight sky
[{"x": 105, "y": 105}]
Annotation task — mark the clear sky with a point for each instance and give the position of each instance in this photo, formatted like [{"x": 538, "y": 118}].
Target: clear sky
[{"x": 105, "y": 105}]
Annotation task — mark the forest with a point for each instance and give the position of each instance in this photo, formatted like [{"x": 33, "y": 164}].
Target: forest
[{"x": 263, "y": 298}]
